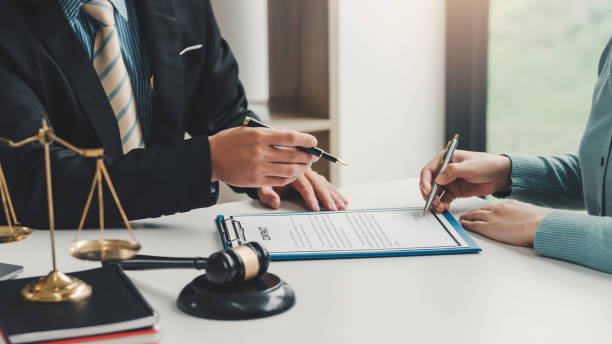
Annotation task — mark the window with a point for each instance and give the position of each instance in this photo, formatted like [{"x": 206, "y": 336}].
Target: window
[{"x": 542, "y": 68}]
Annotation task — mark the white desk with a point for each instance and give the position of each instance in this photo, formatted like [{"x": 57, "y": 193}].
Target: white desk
[{"x": 503, "y": 295}]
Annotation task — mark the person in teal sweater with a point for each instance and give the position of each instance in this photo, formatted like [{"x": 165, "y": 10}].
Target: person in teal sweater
[{"x": 569, "y": 181}]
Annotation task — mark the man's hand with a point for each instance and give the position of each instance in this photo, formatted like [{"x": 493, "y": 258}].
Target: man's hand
[
  {"x": 511, "y": 222},
  {"x": 469, "y": 174},
  {"x": 312, "y": 187},
  {"x": 256, "y": 157}
]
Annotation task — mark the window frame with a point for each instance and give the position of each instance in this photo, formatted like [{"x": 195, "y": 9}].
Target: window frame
[{"x": 467, "y": 24}]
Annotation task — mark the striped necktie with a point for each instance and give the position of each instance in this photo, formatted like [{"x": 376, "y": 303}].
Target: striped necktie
[{"x": 108, "y": 63}]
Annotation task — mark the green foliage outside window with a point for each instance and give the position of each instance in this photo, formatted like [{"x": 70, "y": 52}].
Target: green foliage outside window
[{"x": 542, "y": 69}]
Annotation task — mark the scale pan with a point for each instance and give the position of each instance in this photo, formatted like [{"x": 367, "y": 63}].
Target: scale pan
[
  {"x": 14, "y": 233},
  {"x": 104, "y": 250}
]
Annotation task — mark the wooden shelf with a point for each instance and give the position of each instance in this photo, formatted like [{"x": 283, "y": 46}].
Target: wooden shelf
[
  {"x": 302, "y": 123},
  {"x": 299, "y": 62}
]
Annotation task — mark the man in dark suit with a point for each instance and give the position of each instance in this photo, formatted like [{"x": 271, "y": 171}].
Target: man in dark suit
[{"x": 133, "y": 77}]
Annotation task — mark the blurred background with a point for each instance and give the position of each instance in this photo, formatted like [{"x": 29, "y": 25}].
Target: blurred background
[
  {"x": 383, "y": 84},
  {"x": 543, "y": 58}
]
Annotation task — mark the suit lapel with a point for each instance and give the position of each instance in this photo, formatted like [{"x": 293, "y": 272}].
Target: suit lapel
[
  {"x": 53, "y": 30},
  {"x": 158, "y": 22}
]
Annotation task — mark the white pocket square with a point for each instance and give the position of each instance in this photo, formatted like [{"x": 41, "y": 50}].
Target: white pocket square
[{"x": 190, "y": 48}]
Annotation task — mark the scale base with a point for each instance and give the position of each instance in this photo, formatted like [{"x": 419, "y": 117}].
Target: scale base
[
  {"x": 14, "y": 233},
  {"x": 56, "y": 287},
  {"x": 258, "y": 298}
]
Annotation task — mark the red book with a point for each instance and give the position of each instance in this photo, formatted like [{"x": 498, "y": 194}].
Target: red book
[{"x": 149, "y": 335}]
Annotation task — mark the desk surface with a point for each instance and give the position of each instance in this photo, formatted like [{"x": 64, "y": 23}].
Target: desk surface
[{"x": 504, "y": 294}]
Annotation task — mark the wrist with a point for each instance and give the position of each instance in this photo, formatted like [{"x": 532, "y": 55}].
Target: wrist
[
  {"x": 213, "y": 159},
  {"x": 504, "y": 172},
  {"x": 213, "y": 174},
  {"x": 535, "y": 224}
]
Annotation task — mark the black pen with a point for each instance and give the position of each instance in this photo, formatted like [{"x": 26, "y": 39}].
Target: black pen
[{"x": 316, "y": 151}]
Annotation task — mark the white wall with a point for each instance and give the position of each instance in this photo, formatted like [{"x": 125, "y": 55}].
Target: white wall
[
  {"x": 244, "y": 25},
  {"x": 388, "y": 58}
]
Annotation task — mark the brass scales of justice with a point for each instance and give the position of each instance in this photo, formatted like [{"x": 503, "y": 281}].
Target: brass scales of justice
[{"x": 57, "y": 286}]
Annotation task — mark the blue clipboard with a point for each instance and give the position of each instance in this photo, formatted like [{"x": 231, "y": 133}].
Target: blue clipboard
[{"x": 232, "y": 234}]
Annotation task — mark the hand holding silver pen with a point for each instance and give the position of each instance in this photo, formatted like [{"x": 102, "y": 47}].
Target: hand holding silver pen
[{"x": 451, "y": 146}]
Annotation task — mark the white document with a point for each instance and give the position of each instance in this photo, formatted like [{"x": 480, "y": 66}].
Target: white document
[{"x": 387, "y": 230}]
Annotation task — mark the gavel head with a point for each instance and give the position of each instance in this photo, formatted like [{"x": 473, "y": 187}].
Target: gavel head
[{"x": 236, "y": 265}]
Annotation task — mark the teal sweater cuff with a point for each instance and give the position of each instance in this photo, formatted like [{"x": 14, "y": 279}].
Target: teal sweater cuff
[
  {"x": 575, "y": 237},
  {"x": 526, "y": 172},
  {"x": 548, "y": 181},
  {"x": 562, "y": 235}
]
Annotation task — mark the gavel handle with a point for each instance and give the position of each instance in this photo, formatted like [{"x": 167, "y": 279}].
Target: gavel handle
[{"x": 142, "y": 262}]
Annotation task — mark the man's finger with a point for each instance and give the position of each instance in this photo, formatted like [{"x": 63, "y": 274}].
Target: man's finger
[
  {"x": 322, "y": 191},
  {"x": 276, "y": 181},
  {"x": 304, "y": 188},
  {"x": 338, "y": 198},
  {"x": 268, "y": 197},
  {"x": 285, "y": 170},
  {"x": 339, "y": 202},
  {"x": 337, "y": 194},
  {"x": 289, "y": 155},
  {"x": 290, "y": 138}
]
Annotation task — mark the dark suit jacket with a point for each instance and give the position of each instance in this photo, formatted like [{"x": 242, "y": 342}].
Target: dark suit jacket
[{"x": 45, "y": 72}]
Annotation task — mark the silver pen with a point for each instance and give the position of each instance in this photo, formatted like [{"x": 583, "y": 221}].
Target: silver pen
[{"x": 451, "y": 146}]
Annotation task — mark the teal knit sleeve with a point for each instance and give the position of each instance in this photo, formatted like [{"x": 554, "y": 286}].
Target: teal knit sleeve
[
  {"x": 578, "y": 238},
  {"x": 547, "y": 181}
]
